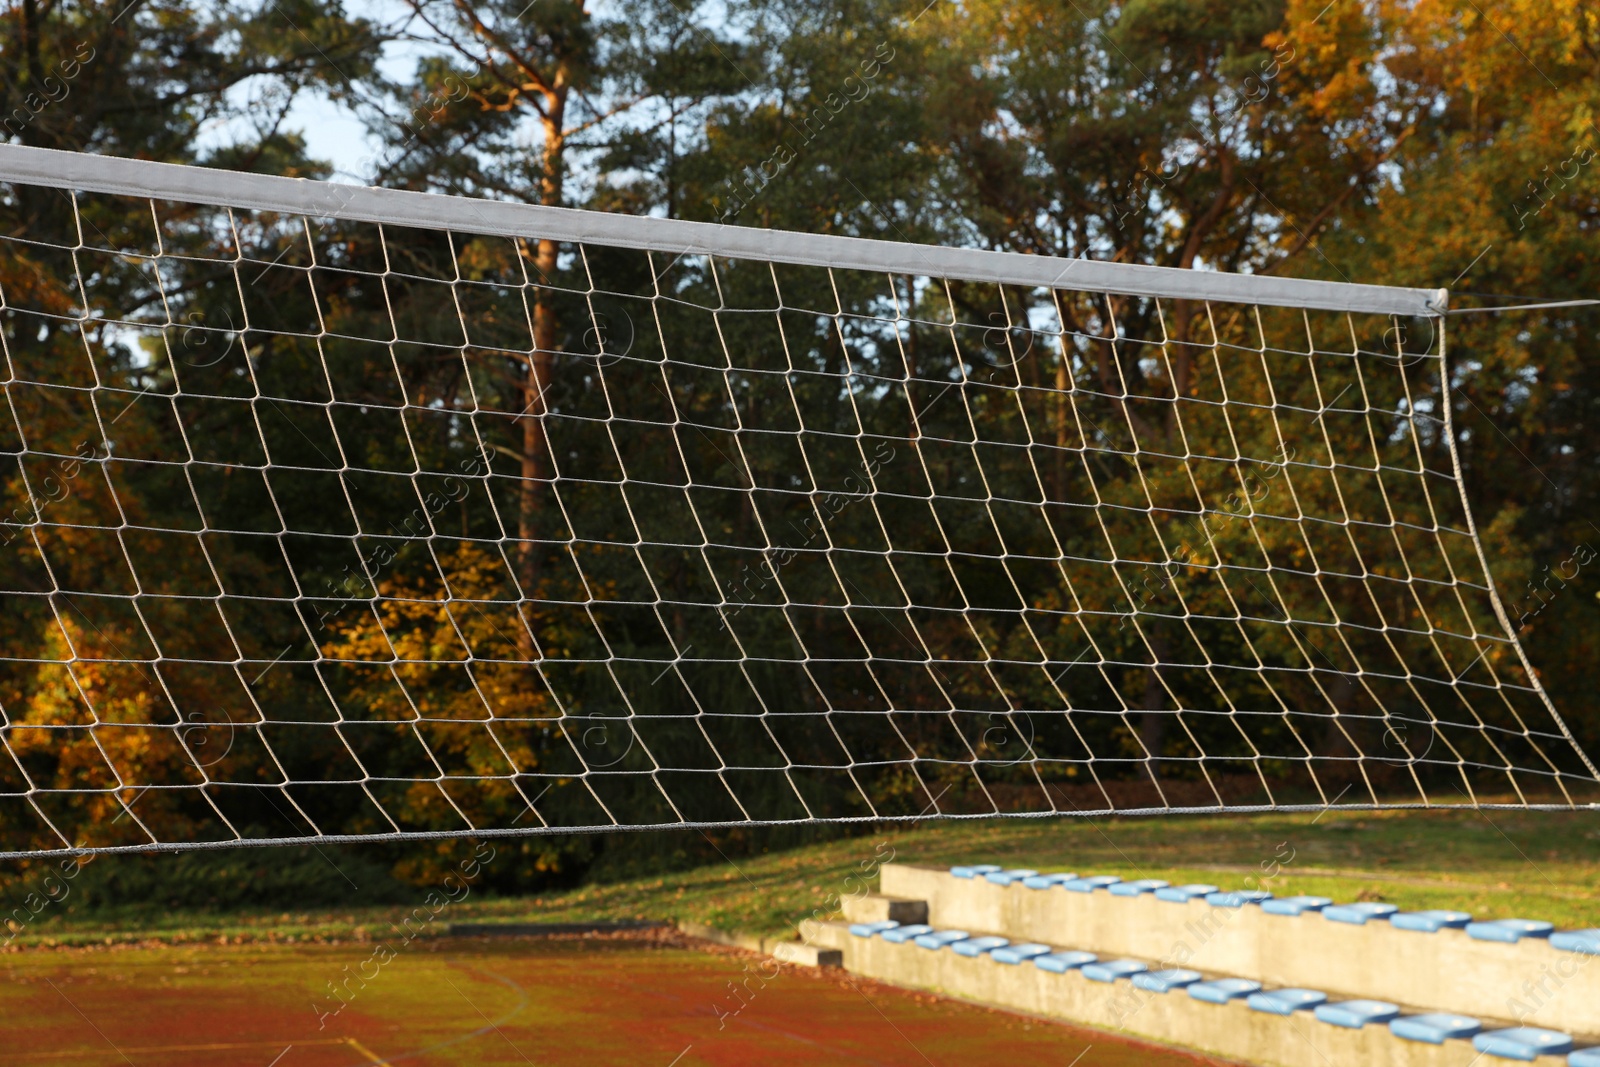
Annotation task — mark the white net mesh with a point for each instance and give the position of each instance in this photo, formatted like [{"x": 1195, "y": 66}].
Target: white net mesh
[{"x": 323, "y": 528}]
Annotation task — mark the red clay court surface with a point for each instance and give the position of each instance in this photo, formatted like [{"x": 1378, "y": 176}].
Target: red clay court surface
[{"x": 502, "y": 1001}]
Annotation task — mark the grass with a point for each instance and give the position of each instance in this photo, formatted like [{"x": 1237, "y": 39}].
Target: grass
[{"x": 1494, "y": 865}]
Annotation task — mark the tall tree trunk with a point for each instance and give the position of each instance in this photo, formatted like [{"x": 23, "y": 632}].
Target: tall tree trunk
[
  {"x": 913, "y": 354},
  {"x": 535, "y": 446},
  {"x": 1153, "y": 723},
  {"x": 1059, "y": 460}
]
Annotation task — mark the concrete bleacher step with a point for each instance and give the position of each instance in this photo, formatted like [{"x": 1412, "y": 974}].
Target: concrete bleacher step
[
  {"x": 1221, "y": 1015},
  {"x": 876, "y": 907},
  {"x": 1439, "y": 961},
  {"x": 807, "y": 955}
]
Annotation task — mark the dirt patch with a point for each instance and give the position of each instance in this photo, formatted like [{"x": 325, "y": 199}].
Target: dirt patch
[{"x": 628, "y": 997}]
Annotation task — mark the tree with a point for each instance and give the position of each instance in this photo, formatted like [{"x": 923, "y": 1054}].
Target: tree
[
  {"x": 1498, "y": 199},
  {"x": 143, "y": 79},
  {"x": 556, "y": 74}
]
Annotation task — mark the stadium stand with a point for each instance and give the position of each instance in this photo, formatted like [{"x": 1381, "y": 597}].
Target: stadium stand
[{"x": 1412, "y": 989}]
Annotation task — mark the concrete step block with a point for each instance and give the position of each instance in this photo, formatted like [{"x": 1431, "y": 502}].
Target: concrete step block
[
  {"x": 807, "y": 955},
  {"x": 823, "y": 934},
  {"x": 877, "y": 907}
]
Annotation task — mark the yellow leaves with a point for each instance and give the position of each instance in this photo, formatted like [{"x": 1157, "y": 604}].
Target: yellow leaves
[
  {"x": 482, "y": 258},
  {"x": 87, "y": 722},
  {"x": 27, "y": 283},
  {"x": 82, "y": 691},
  {"x": 443, "y": 672},
  {"x": 1503, "y": 56},
  {"x": 421, "y": 620}
]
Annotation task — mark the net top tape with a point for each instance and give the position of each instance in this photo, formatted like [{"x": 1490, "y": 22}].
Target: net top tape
[{"x": 200, "y": 185}]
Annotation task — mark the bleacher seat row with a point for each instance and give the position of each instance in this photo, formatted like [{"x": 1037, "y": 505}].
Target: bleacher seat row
[
  {"x": 1518, "y": 1043},
  {"x": 1503, "y": 930}
]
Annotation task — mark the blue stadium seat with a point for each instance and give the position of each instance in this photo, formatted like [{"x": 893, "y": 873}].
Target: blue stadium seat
[
  {"x": 1354, "y": 1014},
  {"x": 1062, "y": 962},
  {"x": 1286, "y": 1001},
  {"x": 1585, "y": 1057},
  {"x": 1166, "y": 981},
  {"x": 1182, "y": 894},
  {"x": 1587, "y": 941},
  {"x": 1238, "y": 898},
  {"x": 1111, "y": 970},
  {"x": 1294, "y": 905},
  {"x": 1358, "y": 914},
  {"x": 939, "y": 939},
  {"x": 868, "y": 929},
  {"x": 1016, "y": 874},
  {"x": 1523, "y": 1043},
  {"x": 1435, "y": 1027},
  {"x": 901, "y": 934},
  {"x": 1046, "y": 881},
  {"x": 1222, "y": 990},
  {"x": 1138, "y": 888},
  {"x": 977, "y": 946},
  {"x": 1509, "y": 931},
  {"x": 976, "y": 870},
  {"x": 1090, "y": 884},
  {"x": 1014, "y": 954},
  {"x": 1429, "y": 922}
]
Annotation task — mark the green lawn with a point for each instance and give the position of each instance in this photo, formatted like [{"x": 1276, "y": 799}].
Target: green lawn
[{"x": 1495, "y": 865}]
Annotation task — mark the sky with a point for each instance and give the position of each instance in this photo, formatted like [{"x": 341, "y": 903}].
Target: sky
[{"x": 332, "y": 131}]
